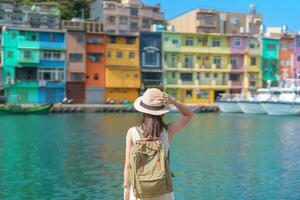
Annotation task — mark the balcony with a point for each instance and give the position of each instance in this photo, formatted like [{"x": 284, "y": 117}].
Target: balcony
[
  {"x": 70, "y": 25},
  {"x": 203, "y": 23},
  {"x": 185, "y": 82},
  {"x": 205, "y": 82},
  {"x": 27, "y": 44},
  {"x": 52, "y": 45},
  {"x": 219, "y": 68},
  {"x": 153, "y": 82},
  {"x": 35, "y": 60},
  {"x": 236, "y": 68},
  {"x": 236, "y": 84}
]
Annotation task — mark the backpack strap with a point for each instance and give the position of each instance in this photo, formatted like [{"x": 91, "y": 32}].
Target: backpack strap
[{"x": 140, "y": 132}]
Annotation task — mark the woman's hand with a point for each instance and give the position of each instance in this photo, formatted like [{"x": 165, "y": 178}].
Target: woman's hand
[
  {"x": 164, "y": 98},
  {"x": 126, "y": 193}
]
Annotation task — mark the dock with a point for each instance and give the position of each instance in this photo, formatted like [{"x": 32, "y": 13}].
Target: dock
[{"x": 118, "y": 108}]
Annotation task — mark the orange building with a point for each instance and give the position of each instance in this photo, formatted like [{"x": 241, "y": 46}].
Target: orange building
[
  {"x": 95, "y": 60},
  {"x": 286, "y": 57}
]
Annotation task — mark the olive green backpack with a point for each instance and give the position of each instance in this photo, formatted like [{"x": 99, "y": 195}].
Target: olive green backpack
[{"x": 149, "y": 168}]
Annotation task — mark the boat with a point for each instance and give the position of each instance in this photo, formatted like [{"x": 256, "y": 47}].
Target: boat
[
  {"x": 253, "y": 105},
  {"x": 26, "y": 109},
  {"x": 228, "y": 103},
  {"x": 288, "y": 103}
]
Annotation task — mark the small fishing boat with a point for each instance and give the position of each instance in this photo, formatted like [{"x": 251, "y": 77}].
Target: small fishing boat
[{"x": 26, "y": 109}]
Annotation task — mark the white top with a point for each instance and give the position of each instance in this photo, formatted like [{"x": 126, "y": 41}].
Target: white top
[{"x": 165, "y": 140}]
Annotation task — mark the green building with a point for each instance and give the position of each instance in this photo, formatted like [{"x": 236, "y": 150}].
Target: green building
[{"x": 269, "y": 60}]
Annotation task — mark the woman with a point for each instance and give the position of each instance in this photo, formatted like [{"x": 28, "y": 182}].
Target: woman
[{"x": 153, "y": 104}]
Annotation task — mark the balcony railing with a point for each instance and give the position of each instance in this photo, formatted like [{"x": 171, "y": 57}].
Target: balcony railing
[
  {"x": 221, "y": 82},
  {"x": 236, "y": 67},
  {"x": 236, "y": 83},
  {"x": 205, "y": 82},
  {"x": 152, "y": 81},
  {"x": 187, "y": 82}
]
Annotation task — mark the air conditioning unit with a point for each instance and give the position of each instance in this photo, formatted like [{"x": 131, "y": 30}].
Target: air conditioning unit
[{"x": 106, "y": 5}]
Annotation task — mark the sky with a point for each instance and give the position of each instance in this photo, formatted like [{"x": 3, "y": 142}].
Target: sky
[{"x": 274, "y": 12}]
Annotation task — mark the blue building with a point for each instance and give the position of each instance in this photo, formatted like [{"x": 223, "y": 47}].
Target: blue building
[
  {"x": 34, "y": 67},
  {"x": 151, "y": 60}
]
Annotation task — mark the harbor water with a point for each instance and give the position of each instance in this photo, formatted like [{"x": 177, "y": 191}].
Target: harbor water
[{"x": 218, "y": 156}]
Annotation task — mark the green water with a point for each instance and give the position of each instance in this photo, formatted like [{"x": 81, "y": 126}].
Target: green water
[{"x": 217, "y": 157}]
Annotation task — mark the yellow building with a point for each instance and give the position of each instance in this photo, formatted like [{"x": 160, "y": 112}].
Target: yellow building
[
  {"x": 122, "y": 73},
  {"x": 200, "y": 67}
]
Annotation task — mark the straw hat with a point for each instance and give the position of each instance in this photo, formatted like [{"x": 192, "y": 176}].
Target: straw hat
[{"x": 148, "y": 103}]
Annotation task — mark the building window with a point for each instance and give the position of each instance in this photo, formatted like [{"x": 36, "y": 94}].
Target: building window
[
  {"x": 13, "y": 35},
  {"x": 10, "y": 54},
  {"x": 49, "y": 55},
  {"x": 94, "y": 40},
  {"x": 186, "y": 76},
  {"x": 129, "y": 40},
  {"x": 237, "y": 42},
  {"x": 189, "y": 41},
  {"x": 234, "y": 77},
  {"x": 146, "y": 21},
  {"x": 188, "y": 61},
  {"x": 27, "y": 54},
  {"x": 94, "y": 57},
  {"x": 33, "y": 38},
  {"x": 298, "y": 41},
  {"x": 203, "y": 94},
  {"x": 134, "y": 26},
  {"x": 271, "y": 46},
  {"x": 119, "y": 54},
  {"x": 215, "y": 75},
  {"x": 131, "y": 55},
  {"x": 234, "y": 62},
  {"x": 50, "y": 74},
  {"x": 108, "y": 54},
  {"x": 175, "y": 41},
  {"x": 123, "y": 20},
  {"x": 217, "y": 61},
  {"x": 253, "y": 61},
  {"x": 96, "y": 76},
  {"x": 26, "y": 73},
  {"x": 134, "y": 11},
  {"x": 188, "y": 94},
  {"x": 75, "y": 57},
  {"x": 290, "y": 46},
  {"x": 77, "y": 77},
  {"x": 79, "y": 38},
  {"x": 283, "y": 45},
  {"x": 16, "y": 18},
  {"x": 112, "y": 19},
  {"x": 252, "y": 46},
  {"x": 287, "y": 62},
  {"x": 150, "y": 59},
  {"x": 207, "y": 75},
  {"x": 298, "y": 58},
  {"x": 113, "y": 39},
  {"x": 216, "y": 42},
  {"x": 173, "y": 75}
]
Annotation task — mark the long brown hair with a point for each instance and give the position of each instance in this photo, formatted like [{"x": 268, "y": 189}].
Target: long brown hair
[{"x": 152, "y": 125}]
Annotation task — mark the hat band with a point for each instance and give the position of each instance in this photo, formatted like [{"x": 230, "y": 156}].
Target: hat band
[{"x": 151, "y": 107}]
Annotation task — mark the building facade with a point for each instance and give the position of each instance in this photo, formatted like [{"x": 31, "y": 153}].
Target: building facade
[
  {"x": 122, "y": 72},
  {"x": 214, "y": 21},
  {"x": 38, "y": 15},
  {"x": 297, "y": 57},
  {"x": 34, "y": 66},
  {"x": 151, "y": 60},
  {"x": 130, "y": 16},
  {"x": 270, "y": 60},
  {"x": 200, "y": 67},
  {"x": 286, "y": 57}
]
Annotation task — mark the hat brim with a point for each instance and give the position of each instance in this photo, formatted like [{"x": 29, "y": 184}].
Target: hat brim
[{"x": 138, "y": 107}]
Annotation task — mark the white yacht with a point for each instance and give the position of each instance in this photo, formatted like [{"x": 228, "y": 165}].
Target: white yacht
[
  {"x": 228, "y": 103},
  {"x": 252, "y": 105},
  {"x": 288, "y": 103}
]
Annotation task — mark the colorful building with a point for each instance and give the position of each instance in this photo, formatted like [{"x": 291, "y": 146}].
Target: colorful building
[
  {"x": 38, "y": 15},
  {"x": 34, "y": 65},
  {"x": 270, "y": 60},
  {"x": 214, "y": 21},
  {"x": 122, "y": 73},
  {"x": 286, "y": 57},
  {"x": 151, "y": 60},
  {"x": 200, "y": 67},
  {"x": 297, "y": 57},
  {"x": 95, "y": 68},
  {"x": 129, "y": 16}
]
